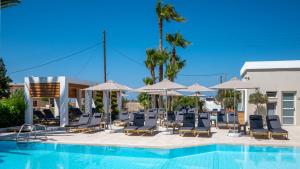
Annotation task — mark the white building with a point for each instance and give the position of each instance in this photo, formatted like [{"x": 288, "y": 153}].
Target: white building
[{"x": 280, "y": 81}]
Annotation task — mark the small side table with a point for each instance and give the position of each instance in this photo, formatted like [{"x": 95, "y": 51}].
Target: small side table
[{"x": 243, "y": 127}]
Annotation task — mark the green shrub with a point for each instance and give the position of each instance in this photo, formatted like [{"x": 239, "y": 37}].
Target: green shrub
[{"x": 12, "y": 110}]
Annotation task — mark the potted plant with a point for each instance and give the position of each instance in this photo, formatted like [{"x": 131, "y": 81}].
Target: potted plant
[{"x": 258, "y": 98}]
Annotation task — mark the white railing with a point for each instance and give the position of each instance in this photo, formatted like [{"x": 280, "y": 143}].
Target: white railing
[{"x": 27, "y": 130}]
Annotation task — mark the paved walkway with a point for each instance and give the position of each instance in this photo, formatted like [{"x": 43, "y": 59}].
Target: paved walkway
[{"x": 164, "y": 140}]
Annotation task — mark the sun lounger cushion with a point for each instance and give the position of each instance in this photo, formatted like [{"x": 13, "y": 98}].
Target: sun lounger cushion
[
  {"x": 189, "y": 120},
  {"x": 131, "y": 127},
  {"x": 233, "y": 118},
  {"x": 201, "y": 128},
  {"x": 256, "y": 122},
  {"x": 278, "y": 130},
  {"x": 186, "y": 128},
  {"x": 123, "y": 116},
  {"x": 273, "y": 122},
  {"x": 146, "y": 127},
  {"x": 83, "y": 120},
  {"x": 260, "y": 130}
]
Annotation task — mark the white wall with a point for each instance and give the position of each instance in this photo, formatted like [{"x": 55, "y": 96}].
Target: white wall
[{"x": 279, "y": 81}]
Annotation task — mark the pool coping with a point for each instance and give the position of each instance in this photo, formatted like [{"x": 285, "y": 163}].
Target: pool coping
[{"x": 166, "y": 147}]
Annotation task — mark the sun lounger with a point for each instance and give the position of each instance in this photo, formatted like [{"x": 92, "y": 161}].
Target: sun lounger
[
  {"x": 150, "y": 125},
  {"x": 39, "y": 117},
  {"x": 170, "y": 115},
  {"x": 233, "y": 120},
  {"x": 83, "y": 120},
  {"x": 188, "y": 124},
  {"x": 221, "y": 120},
  {"x": 123, "y": 119},
  {"x": 179, "y": 116},
  {"x": 138, "y": 121},
  {"x": 93, "y": 124},
  {"x": 256, "y": 126},
  {"x": 274, "y": 126},
  {"x": 203, "y": 124}
]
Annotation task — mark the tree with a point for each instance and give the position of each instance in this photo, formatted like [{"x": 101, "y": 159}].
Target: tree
[
  {"x": 151, "y": 62},
  {"x": 8, "y": 3},
  {"x": 176, "y": 40},
  {"x": 226, "y": 98},
  {"x": 173, "y": 69},
  {"x": 99, "y": 101},
  {"x": 12, "y": 109},
  {"x": 148, "y": 81},
  {"x": 165, "y": 12},
  {"x": 162, "y": 58},
  {"x": 4, "y": 80},
  {"x": 144, "y": 100},
  {"x": 114, "y": 105},
  {"x": 258, "y": 98}
]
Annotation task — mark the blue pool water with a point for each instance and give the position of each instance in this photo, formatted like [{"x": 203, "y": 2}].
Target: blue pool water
[{"x": 66, "y": 156}]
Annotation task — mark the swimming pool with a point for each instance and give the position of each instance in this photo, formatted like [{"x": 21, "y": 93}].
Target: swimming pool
[{"x": 66, "y": 156}]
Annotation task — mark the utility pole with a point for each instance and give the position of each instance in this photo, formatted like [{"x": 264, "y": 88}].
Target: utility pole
[{"x": 104, "y": 56}]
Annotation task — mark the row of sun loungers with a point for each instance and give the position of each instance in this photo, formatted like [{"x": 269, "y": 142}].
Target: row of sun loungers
[
  {"x": 142, "y": 123},
  {"x": 273, "y": 125}
]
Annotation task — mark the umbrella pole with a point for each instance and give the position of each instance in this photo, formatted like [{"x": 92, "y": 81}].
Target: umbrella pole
[
  {"x": 234, "y": 108},
  {"x": 166, "y": 92},
  {"x": 197, "y": 102},
  {"x": 109, "y": 108}
]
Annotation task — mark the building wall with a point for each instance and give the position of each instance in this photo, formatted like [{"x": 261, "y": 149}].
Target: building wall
[{"x": 275, "y": 80}]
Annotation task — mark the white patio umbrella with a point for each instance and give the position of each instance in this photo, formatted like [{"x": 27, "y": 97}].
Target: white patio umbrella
[
  {"x": 109, "y": 86},
  {"x": 165, "y": 85},
  {"x": 173, "y": 94},
  {"x": 235, "y": 84},
  {"x": 197, "y": 89},
  {"x": 162, "y": 93},
  {"x": 142, "y": 90}
]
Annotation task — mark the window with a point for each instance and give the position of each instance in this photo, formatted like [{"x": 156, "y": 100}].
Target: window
[
  {"x": 35, "y": 103},
  {"x": 271, "y": 94},
  {"x": 288, "y": 108}
]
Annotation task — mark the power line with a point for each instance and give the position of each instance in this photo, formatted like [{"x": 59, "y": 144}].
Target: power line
[
  {"x": 124, "y": 55},
  {"x": 85, "y": 65},
  {"x": 203, "y": 75},
  {"x": 56, "y": 60}
]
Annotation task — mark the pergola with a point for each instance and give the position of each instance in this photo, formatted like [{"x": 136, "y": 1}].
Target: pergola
[{"x": 60, "y": 88}]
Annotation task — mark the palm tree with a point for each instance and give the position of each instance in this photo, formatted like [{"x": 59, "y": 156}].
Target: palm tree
[
  {"x": 165, "y": 12},
  {"x": 176, "y": 40},
  {"x": 8, "y": 3},
  {"x": 148, "y": 81},
  {"x": 151, "y": 62},
  {"x": 174, "y": 68},
  {"x": 162, "y": 58}
]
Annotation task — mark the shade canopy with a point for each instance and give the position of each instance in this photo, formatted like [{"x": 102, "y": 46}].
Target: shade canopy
[
  {"x": 109, "y": 86},
  {"x": 169, "y": 93},
  {"x": 235, "y": 84},
  {"x": 165, "y": 85},
  {"x": 143, "y": 90},
  {"x": 197, "y": 88}
]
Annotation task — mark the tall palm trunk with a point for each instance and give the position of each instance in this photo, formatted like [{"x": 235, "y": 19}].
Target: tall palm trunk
[
  {"x": 160, "y": 25},
  {"x": 173, "y": 60},
  {"x": 161, "y": 66},
  {"x": 152, "y": 75}
]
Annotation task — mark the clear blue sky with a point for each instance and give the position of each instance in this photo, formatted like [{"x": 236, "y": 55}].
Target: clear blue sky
[{"x": 224, "y": 34}]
